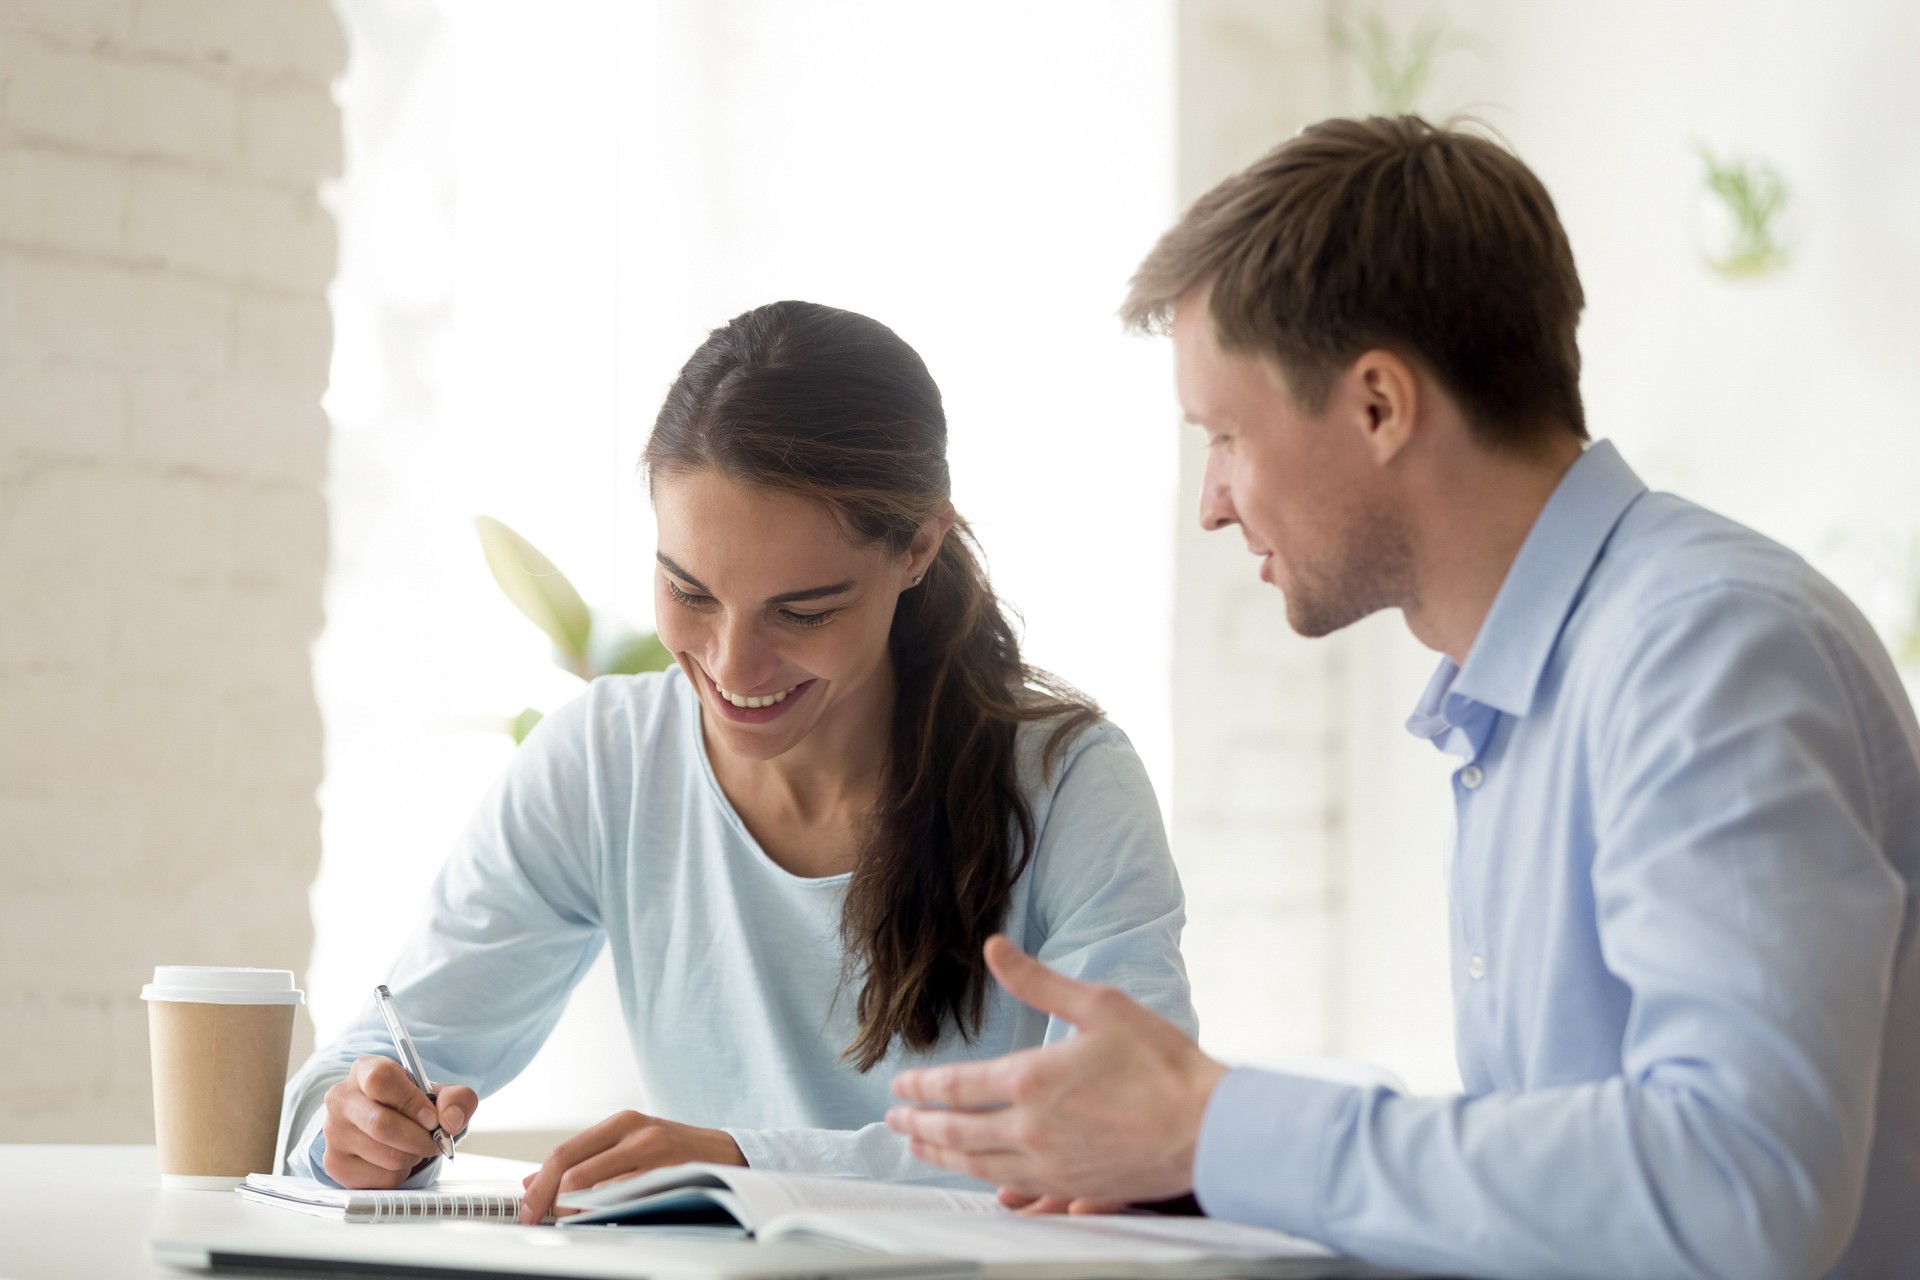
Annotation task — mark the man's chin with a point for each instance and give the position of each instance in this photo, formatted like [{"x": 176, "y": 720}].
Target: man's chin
[{"x": 1313, "y": 618}]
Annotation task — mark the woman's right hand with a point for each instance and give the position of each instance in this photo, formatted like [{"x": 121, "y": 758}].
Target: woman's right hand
[{"x": 380, "y": 1128}]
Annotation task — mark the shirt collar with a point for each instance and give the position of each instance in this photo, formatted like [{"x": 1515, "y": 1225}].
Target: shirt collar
[{"x": 1504, "y": 666}]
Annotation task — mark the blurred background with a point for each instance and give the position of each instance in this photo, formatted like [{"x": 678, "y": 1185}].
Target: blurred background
[{"x": 291, "y": 292}]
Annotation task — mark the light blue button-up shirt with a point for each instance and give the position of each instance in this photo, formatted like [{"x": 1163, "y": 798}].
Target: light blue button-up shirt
[{"x": 1683, "y": 913}]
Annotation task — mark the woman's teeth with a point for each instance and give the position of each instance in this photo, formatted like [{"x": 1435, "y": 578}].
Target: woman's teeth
[{"x": 751, "y": 703}]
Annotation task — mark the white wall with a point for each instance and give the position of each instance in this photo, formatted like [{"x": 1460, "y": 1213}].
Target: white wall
[
  {"x": 164, "y": 338},
  {"x": 1785, "y": 401}
]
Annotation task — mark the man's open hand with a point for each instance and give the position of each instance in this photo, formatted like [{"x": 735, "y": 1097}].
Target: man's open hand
[{"x": 1110, "y": 1115}]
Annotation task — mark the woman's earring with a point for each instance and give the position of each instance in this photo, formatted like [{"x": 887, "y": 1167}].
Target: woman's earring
[{"x": 917, "y": 577}]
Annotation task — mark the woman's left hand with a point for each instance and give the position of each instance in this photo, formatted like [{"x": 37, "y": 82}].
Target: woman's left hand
[{"x": 619, "y": 1147}]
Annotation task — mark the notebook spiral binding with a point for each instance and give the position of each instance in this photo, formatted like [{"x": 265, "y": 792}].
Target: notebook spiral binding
[{"x": 452, "y": 1204}]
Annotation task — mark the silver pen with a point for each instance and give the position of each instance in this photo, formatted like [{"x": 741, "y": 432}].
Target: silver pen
[{"x": 410, "y": 1059}]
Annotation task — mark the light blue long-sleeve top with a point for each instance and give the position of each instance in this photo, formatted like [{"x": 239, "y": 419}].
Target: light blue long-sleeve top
[
  {"x": 1683, "y": 894},
  {"x": 609, "y": 828}
]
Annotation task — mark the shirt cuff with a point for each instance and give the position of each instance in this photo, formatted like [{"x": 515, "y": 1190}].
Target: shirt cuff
[
  {"x": 1263, "y": 1141},
  {"x": 753, "y": 1149},
  {"x": 307, "y": 1158}
]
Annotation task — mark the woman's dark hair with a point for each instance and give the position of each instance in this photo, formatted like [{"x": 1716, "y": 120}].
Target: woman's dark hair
[{"x": 809, "y": 399}]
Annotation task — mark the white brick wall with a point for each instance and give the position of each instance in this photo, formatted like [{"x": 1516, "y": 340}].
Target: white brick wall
[
  {"x": 164, "y": 340},
  {"x": 1308, "y": 824},
  {"x": 1259, "y": 801}
]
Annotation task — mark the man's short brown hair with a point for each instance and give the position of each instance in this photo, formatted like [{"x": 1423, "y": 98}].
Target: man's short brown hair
[{"x": 1354, "y": 234}]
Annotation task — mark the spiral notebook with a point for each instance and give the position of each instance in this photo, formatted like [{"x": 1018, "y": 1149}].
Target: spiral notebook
[{"x": 492, "y": 1199}]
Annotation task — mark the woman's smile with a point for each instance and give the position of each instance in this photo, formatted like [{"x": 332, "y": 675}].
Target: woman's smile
[{"x": 754, "y": 708}]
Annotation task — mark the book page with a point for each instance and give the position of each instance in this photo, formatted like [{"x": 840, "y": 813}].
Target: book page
[
  {"x": 771, "y": 1194},
  {"x": 311, "y": 1192},
  {"x": 760, "y": 1196},
  {"x": 1090, "y": 1238}
]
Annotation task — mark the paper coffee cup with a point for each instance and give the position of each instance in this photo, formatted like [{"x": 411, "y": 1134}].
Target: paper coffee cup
[{"x": 220, "y": 1041}]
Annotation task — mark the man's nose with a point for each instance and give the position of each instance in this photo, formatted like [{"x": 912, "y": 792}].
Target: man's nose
[{"x": 1216, "y": 503}]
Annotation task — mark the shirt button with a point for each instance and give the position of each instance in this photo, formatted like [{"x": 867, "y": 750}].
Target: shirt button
[
  {"x": 1472, "y": 776},
  {"x": 1476, "y": 967}
]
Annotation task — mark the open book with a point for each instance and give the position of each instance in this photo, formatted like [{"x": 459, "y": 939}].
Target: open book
[{"x": 968, "y": 1225}]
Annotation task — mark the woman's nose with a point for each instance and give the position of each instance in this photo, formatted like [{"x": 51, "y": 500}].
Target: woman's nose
[{"x": 741, "y": 660}]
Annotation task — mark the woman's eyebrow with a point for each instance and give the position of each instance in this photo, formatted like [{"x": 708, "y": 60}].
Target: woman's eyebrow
[
  {"x": 674, "y": 569},
  {"x": 811, "y": 593},
  {"x": 785, "y": 597}
]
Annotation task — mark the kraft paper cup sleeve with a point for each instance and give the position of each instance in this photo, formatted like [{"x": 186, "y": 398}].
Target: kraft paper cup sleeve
[{"x": 220, "y": 1041}]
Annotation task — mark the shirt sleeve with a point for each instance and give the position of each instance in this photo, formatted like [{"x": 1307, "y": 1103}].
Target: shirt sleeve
[
  {"x": 510, "y": 928},
  {"x": 1104, "y": 906},
  {"x": 1744, "y": 899},
  {"x": 1107, "y": 905}
]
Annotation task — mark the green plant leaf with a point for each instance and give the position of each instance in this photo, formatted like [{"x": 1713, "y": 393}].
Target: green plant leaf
[
  {"x": 615, "y": 648},
  {"x": 1754, "y": 195},
  {"x": 642, "y": 652},
  {"x": 1397, "y": 71},
  {"x": 522, "y": 725},
  {"x": 537, "y": 589}
]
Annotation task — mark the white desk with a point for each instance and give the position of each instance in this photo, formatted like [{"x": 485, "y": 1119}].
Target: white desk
[{"x": 87, "y": 1212}]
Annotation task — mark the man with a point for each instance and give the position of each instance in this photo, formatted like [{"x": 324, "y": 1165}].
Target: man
[{"x": 1683, "y": 893}]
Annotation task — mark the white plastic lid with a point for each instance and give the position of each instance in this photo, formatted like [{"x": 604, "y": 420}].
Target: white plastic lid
[{"x": 212, "y": 984}]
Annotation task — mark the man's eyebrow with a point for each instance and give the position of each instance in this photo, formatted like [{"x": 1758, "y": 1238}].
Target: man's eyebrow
[{"x": 785, "y": 597}]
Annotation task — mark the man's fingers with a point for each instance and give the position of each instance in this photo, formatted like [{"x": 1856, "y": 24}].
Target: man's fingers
[
  {"x": 1005, "y": 1169},
  {"x": 1083, "y": 1205},
  {"x": 975, "y": 1131},
  {"x": 992, "y": 1083},
  {"x": 1032, "y": 983},
  {"x": 1037, "y": 1206}
]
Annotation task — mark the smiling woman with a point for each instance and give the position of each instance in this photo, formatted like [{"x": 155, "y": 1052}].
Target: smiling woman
[
  {"x": 804, "y": 444},
  {"x": 849, "y": 782}
]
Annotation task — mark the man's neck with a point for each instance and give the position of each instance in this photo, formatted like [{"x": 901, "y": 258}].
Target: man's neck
[{"x": 1477, "y": 518}]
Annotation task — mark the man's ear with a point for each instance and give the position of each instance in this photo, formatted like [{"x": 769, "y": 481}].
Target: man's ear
[{"x": 1386, "y": 400}]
